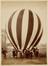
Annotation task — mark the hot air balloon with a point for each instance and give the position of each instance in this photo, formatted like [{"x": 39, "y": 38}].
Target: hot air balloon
[{"x": 16, "y": 35}]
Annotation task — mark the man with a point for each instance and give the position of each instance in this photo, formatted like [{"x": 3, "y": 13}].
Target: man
[
  {"x": 36, "y": 51},
  {"x": 15, "y": 52},
  {"x": 4, "y": 51}
]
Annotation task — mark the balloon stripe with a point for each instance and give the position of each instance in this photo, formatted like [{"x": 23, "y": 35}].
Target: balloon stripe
[
  {"x": 19, "y": 27},
  {"x": 10, "y": 30},
  {"x": 37, "y": 40},
  {"x": 38, "y": 31},
  {"x": 30, "y": 29},
  {"x": 10, "y": 41}
]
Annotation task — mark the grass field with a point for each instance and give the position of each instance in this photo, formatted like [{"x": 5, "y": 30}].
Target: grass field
[{"x": 12, "y": 61}]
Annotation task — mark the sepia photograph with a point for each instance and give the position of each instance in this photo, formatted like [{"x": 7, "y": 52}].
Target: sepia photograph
[{"x": 23, "y": 32}]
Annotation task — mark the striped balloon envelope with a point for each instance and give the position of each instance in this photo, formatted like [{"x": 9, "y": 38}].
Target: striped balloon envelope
[{"x": 24, "y": 29}]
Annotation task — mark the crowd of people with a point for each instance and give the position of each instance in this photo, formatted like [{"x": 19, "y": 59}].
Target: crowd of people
[{"x": 26, "y": 54}]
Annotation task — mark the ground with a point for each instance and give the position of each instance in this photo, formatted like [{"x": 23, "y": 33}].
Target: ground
[{"x": 10, "y": 61}]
